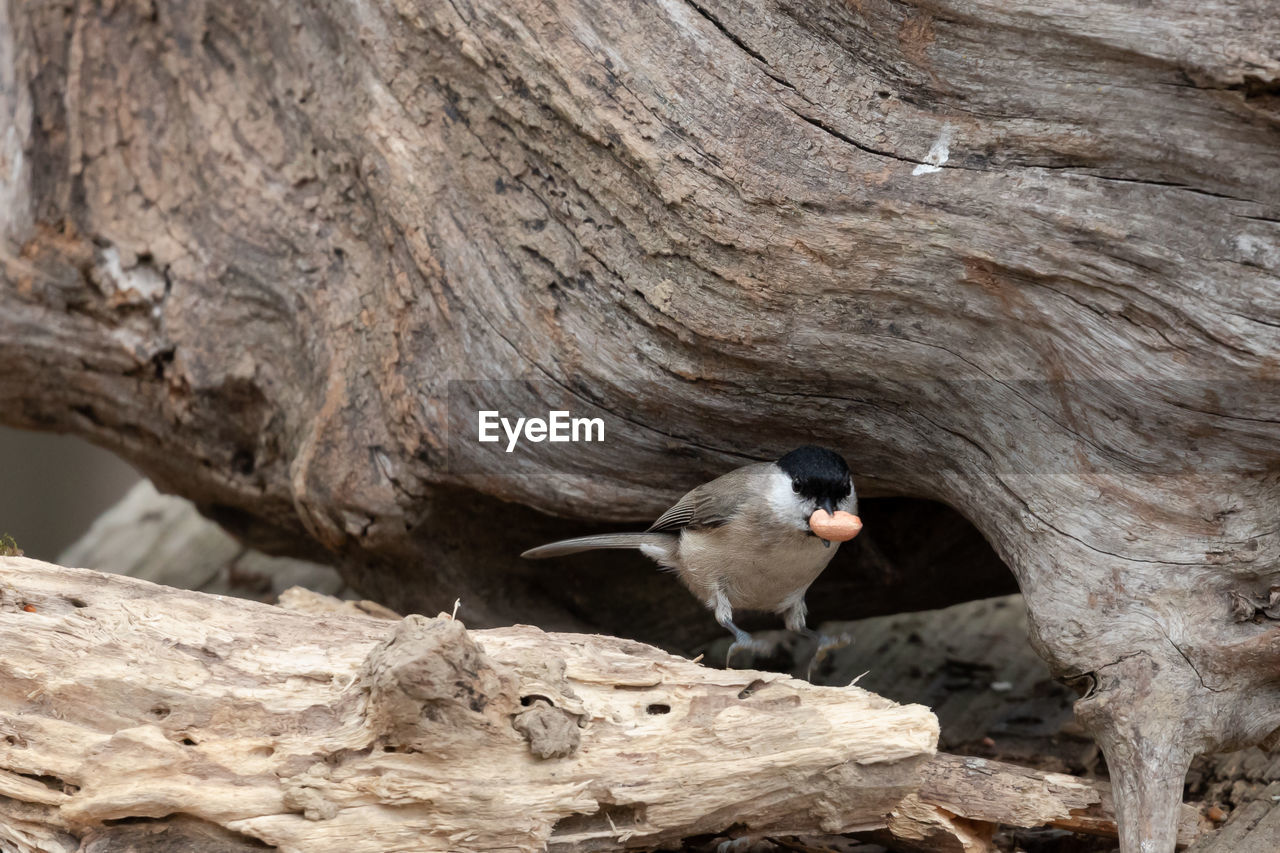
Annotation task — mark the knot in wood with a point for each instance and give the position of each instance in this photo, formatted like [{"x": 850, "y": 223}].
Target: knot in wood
[
  {"x": 430, "y": 684},
  {"x": 551, "y": 732}
]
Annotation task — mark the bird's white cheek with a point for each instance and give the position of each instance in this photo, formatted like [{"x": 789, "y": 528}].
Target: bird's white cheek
[{"x": 784, "y": 502}]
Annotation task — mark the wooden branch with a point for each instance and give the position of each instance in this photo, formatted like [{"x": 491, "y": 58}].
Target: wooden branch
[
  {"x": 961, "y": 799},
  {"x": 977, "y": 791},
  {"x": 132, "y": 701}
]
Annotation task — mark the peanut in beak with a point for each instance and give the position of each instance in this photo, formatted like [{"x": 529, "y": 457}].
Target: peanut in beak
[{"x": 838, "y": 527}]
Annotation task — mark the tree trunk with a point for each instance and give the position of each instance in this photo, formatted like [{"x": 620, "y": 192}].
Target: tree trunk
[{"x": 1015, "y": 258}]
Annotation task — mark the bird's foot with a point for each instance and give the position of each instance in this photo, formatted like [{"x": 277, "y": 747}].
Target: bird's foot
[
  {"x": 828, "y": 643},
  {"x": 825, "y": 645},
  {"x": 744, "y": 642}
]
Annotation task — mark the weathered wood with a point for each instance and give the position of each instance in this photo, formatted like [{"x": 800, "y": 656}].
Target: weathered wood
[
  {"x": 980, "y": 791},
  {"x": 1012, "y": 257},
  {"x": 131, "y": 702},
  {"x": 253, "y": 725},
  {"x": 163, "y": 539},
  {"x": 972, "y": 666},
  {"x": 918, "y": 827}
]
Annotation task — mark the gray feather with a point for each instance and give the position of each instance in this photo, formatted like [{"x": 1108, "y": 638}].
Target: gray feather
[
  {"x": 715, "y": 503},
  {"x": 602, "y": 540}
]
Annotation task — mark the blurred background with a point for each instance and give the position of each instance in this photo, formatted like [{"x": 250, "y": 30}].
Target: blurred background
[{"x": 55, "y": 486}]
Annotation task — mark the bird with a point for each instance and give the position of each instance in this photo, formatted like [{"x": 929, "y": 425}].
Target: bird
[{"x": 752, "y": 539}]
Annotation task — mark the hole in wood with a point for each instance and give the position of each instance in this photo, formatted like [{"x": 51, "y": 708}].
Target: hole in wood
[
  {"x": 608, "y": 819},
  {"x": 243, "y": 462},
  {"x": 1083, "y": 684},
  {"x": 658, "y": 708},
  {"x": 53, "y": 783}
]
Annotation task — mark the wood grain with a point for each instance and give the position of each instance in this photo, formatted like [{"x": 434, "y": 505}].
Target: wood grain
[
  {"x": 1018, "y": 258},
  {"x": 340, "y": 731}
]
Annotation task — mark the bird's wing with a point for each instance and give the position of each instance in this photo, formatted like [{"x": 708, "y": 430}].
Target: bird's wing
[{"x": 709, "y": 505}]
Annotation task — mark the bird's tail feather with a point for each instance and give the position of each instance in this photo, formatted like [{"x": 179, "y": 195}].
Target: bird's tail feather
[{"x": 602, "y": 540}]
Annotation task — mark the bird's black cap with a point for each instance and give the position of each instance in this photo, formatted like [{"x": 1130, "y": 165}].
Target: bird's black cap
[{"x": 816, "y": 472}]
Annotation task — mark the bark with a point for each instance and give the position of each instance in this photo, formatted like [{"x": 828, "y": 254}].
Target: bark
[{"x": 1010, "y": 257}]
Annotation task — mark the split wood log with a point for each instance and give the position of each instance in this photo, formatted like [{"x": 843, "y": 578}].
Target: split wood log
[
  {"x": 961, "y": 800},
  {"x": 1006, "y": 256},
  {"x": 123, "y": 703}
]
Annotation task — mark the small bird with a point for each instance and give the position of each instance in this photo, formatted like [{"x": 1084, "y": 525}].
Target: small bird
[{"x": 752, "y": 539}]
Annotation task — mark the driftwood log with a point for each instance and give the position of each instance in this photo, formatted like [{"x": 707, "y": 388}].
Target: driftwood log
[
  {"x": 1017, "y": 258},
  {"x": 126, "y": 702},
  {"x": 136, "y": 714}
]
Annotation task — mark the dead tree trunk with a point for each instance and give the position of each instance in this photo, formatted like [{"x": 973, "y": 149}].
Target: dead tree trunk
[{"x": 1011, "y": 257}]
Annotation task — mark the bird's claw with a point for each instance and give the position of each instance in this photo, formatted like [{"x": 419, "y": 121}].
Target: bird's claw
[
  {"x": 831, "y": 642},
  {"x": 749, "y": 644},
  {"x": 826, "y": 644}
]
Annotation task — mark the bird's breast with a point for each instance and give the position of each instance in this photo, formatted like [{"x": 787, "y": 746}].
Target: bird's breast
[{"x": 758, "y": 568}]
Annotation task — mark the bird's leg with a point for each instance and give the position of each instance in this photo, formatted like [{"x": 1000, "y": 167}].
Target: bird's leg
[
  {"x": 796, "y": 617},
  {"x": 795, "y": 620},
  {"x": 741, "y": 639}
]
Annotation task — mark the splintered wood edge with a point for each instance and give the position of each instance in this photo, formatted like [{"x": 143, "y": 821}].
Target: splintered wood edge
[{"x": 979, "y": 789}]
